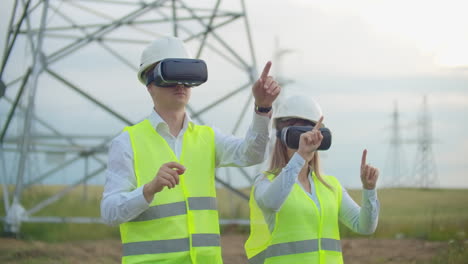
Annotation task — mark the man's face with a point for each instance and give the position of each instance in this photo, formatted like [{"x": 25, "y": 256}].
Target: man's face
[{"x": 170, "y": 98}]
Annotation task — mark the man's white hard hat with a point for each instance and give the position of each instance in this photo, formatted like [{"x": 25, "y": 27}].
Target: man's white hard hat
[
  {"x": 160, "y": 49},
  {"x": 297, "y": 106}
]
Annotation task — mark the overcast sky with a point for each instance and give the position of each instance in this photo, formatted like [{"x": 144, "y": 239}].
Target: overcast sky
[{"x": 357, "y": 58}]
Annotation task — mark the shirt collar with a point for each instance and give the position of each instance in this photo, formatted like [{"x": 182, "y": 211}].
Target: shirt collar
[{"x": 156, "y": 120}]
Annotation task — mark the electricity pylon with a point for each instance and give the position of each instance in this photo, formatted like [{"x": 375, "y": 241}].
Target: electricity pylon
[
  {"x": 425, "y": 170},
  {"x": 396, "y": 167},
  {"x": 47, "y": 42}
]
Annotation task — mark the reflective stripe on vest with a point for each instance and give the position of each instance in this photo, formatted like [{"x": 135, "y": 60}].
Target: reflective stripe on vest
[
  {"x": 181, "y": 224},
  {"x": 330, "y": 244},
  {"x": 296, "y": 247},
  {"x": 170, "y": 245},
  {"x": 301, "y": 233},
  {"x": 178, "y": 208}
]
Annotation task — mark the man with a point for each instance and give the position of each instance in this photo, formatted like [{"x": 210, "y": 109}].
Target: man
[{"x": 160, "y": 182}]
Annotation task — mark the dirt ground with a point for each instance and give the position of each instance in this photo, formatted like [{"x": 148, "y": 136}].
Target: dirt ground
[{"x": 108, "y": 251}]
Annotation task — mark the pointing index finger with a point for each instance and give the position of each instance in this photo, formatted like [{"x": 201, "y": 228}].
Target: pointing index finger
[
  {"x": 363, "y": 160},
  {"x": 266, "y": 70},
  {"x": 318, "y": 124}
]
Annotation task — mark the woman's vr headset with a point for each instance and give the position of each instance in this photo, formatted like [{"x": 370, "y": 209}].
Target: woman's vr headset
[
  {"x": 290, "y": 136},
  {"x": 171, "y": 72}
]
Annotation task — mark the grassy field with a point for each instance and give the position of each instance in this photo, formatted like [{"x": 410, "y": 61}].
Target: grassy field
[
  {"x": 415, "y": 226},
  {"x": 72, "y": 205},
  {"x": 425, "y": 214},
  {"x": 436, "y": 215}
]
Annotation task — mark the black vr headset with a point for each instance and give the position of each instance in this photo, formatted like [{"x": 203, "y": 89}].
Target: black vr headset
[
  {"x": 171, "y": 72},
  {"x": 290, "y": 136}
]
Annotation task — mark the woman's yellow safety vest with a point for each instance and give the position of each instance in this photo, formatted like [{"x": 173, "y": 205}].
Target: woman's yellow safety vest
[
  {"x": 181, "y": 225},
  {"x": 301, "y": 233}
]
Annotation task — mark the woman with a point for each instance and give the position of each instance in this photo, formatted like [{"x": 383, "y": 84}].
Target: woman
[{"x": 294, "y": 209}]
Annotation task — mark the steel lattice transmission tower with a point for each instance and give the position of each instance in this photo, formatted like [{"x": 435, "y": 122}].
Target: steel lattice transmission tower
[
  {"x": 425, "y": 170},
  {"x": 68, "y": 85},
  {"x": 396, "y": 167}
]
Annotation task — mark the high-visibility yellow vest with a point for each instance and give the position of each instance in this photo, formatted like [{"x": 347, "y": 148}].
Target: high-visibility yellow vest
[
  {"x": 301, "y": 233},
  {"x": 181, "y": 225}
]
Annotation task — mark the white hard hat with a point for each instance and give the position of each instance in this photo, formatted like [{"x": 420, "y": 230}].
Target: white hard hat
[
  {"x": 297, "y": 106},
  {"x": 160, "y": 49}
]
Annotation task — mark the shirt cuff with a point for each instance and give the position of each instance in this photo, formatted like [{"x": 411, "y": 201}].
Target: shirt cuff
[
  {"x": 369, "y": 195},
  {"x": 260, "y": 124},
  {"x": 296, "y": 161},
  {"x": 295, "y": 165},
  {"x": 139, "y": 202}
]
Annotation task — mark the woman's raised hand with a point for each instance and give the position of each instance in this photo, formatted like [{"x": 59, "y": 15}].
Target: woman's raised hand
[
  {"x": 369, "y": 174},
  {"x": 310, "y": 141}
]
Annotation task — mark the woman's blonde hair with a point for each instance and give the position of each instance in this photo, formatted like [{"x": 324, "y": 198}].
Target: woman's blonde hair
[{"x": 280, "y": 159}]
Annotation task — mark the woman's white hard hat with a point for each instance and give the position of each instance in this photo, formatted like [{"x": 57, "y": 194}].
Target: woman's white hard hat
[
  {"x": 160, "y": 49},
  {"x": 297, "y": 106}
]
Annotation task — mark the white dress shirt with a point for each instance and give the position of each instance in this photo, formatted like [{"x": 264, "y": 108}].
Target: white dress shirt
[
  {"x": 123, "y": 201},
  {"x": 270, "y": 196}
]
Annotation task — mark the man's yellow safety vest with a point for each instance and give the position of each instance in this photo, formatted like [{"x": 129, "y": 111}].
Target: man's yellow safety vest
[
  {"x": 181, "y": 225},
  {"x": 301, "y": 233}
]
